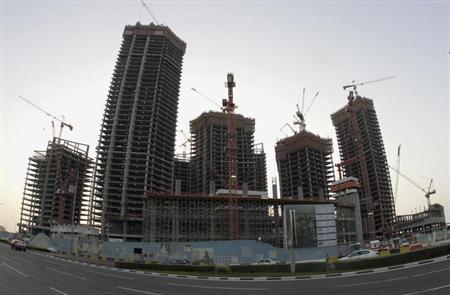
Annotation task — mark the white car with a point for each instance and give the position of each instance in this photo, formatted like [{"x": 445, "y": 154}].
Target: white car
[
  {"x": 266, "y": 261},
  {"x": 360, "y": 254}
]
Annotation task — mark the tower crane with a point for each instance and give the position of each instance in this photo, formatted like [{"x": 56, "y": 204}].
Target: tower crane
[
  {"x": 207, "y": 98},
  {"x": 354, "y": 85},
  {"x": 228, "y": 106},
  {"x": 62, "y": 123},
  {"x": 300, "y": 115},
  {"x": 149, "y": 11},
  {"x": 184, "y": 144},
  {"x": 428, "y": 191}
]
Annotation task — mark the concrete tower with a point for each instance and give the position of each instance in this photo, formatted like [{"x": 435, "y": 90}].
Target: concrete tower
[
  {"x": 209, "y": 158},
  {"x": 137, "y": 136},
  {"x": 363, "y": 156},
  {"x": 305, "y": 166}
]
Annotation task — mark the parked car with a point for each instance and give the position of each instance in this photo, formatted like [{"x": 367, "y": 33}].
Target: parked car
[
  {"x": 183, "y": 261},
  {"x": 18, "y": 245},
  {"x": 360, "y": 254},
  {"x": 266, "y": 261}
]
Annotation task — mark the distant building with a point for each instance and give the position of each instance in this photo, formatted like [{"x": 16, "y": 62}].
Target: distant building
[
  {"x": 135, "y": 152},
  {"x": 363, "y": 156},
  {"x": 305, "y": 166},
  {"x": 209, "y": 154},
  {"x": 56, "y": 186},
  {"x": 425, "y": 222}
]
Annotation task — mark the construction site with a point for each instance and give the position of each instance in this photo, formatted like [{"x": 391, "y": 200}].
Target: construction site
[
  {"x": 139, "y": 189},
  {"x": 56, "y": 190}
]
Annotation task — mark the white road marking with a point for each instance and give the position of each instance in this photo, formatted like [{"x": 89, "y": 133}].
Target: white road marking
[
  {"x": 394, "y": 279},
  {"x": 138, "y": 291},
  {"x": 425, "y": 273},
  {"x": 428, "y": 290},
  {"x": 109, "y": 275},
  {"x": 15, "y": 269},
  {"x": 221, "y": 288},
  {"x": 57, "y": 291},
  {"x": 66, "y": 273}
]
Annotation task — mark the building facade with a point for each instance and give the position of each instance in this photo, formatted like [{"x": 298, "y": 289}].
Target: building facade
[
  {"x": 363, "y": 156},
  {"x": 305, "y": 166},
  {"x": 135, "y": 153},
  {"x": 209, "y": 158},
  {"x": 56, "y": 187}
]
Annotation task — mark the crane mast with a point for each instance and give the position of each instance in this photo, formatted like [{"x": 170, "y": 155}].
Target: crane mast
[{"x": 229, "y": 107}]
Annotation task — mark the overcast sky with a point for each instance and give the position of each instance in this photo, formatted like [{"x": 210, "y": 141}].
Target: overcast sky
[{"x": 61, "y": 55}]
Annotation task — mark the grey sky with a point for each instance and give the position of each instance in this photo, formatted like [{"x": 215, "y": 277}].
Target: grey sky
[{"x": 61, "y": 55}]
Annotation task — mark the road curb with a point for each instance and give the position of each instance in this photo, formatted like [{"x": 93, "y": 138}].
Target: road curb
[{"x": 254, "y": 279}]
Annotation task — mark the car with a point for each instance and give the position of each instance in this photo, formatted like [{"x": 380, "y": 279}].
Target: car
[
  {"x": 360, "y": 254},
  {"x": 266, "y": 261},
  {"x": 18, "y": 245},
  {"x": 182, "y": 261}
]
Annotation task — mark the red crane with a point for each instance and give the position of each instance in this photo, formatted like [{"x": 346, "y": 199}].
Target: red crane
[{"x": 228, "y": 107}]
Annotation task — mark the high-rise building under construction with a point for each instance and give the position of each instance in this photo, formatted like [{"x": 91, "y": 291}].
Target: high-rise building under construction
[
  {"x": 56, "y": 187},
  {"x": 137, "y": 136},
  {"x": 305, "y": 166},
  {"x": 209, "y": 154},
  {"x": 363, "y": 156}
]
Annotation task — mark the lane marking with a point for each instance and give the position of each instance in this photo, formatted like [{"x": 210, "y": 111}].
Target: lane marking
[
  {"x": 428, "y": 290},
  {"x": 66, "y": 273},
  {"x": 221, "y": 288},
  {"x": 15, "y": 269},
  {"x": 430, "y": 272},
  {"x": 138, "y": 291},
  {"x": 57, "y": 291},
  {"x": 109, "y": 275},
  {"x": 394, "y": 279}
]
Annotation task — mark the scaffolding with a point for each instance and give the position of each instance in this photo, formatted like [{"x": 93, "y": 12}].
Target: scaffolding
[
  {"x": 56, "y": 190},
  {"x": 363, "y": 156},
  {"x": 305, "y": 166}
]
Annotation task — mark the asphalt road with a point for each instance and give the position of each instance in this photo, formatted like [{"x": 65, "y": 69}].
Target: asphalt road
[{"x": 29, "y": 273}]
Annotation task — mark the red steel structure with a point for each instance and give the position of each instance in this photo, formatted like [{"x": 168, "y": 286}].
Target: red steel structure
[{"x": 228, "y": 108}]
